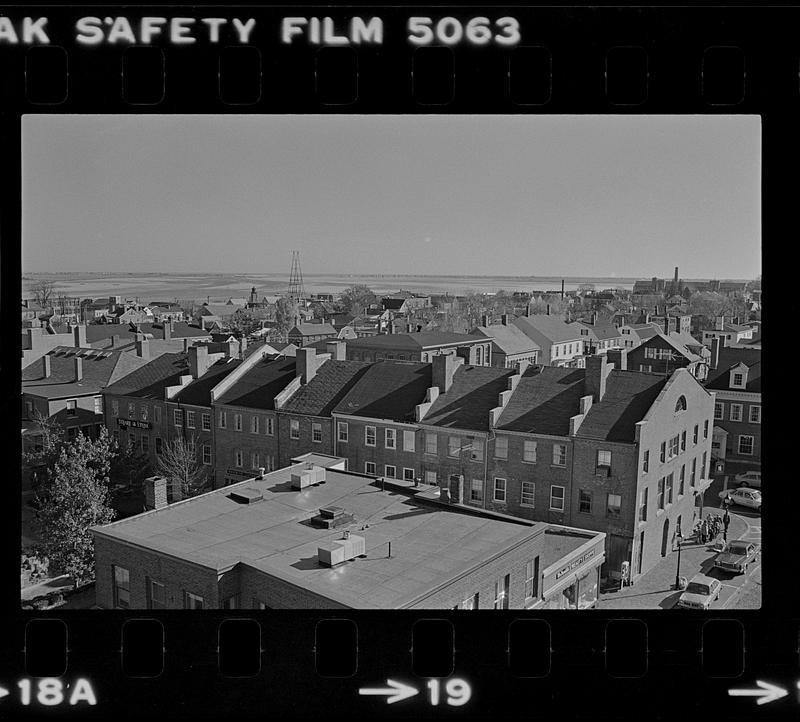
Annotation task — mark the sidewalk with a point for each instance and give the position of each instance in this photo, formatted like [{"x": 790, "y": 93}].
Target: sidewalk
[{"x": 655, "y": 589}]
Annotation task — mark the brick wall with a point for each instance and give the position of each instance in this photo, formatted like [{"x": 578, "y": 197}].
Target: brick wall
[
  {"x": 291, "y": 448},
  {"x": 277, "y": 593},
  {"x": 228, "y": 440},
  {"x": 738, "y": 428},
  {"x": 358, "y": 453}
]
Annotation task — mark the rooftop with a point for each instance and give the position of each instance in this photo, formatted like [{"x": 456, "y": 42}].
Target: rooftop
[
  {"x": 198, "y": 392},
  {"x": 259, "y": 385},
  {"x": 719, "y": 377},
  {"x": 415, "y": 341},
  {"x": 553, "y": 328},
  {"x": 150, "y": 381},
  {"x": 431, "y": 545},
  {"x": 329, "y": 386},
  {"x": 509, "y": 339}
]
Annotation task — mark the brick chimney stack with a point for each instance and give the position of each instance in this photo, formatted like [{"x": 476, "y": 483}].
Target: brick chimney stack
[
  {"x": 505, "y": 319},
  {"x": 168, "y": 330},
  {"x": 596, "y": 374},
  {"x": 199, "y": 361},
  {"x": 143, "y": 348},
  {"x": 155, "y": 492},
  {"x": 618, "y": 357},
  {"x": 444, "y": 367},
  {"x": 719, "y": 323},
  {"x": 337, "y": 350},
  {"x": 46, "y": 366},
  {"x": 79, "y": 334},
  {"x": 78, "y": 368}
]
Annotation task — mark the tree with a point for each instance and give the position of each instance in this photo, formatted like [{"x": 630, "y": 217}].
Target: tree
[
  {"x": 286, "y": 311},
  {"x": 356, "y": 298},
  {"x": 242, "y": 323},
  {"x": 43, "y": 292},
  {"x": 76, "y": 500},
  {"x": 130, "y": 466},
  {"x": 179, "y": 465},
  {"x": 43, "y": 456}
]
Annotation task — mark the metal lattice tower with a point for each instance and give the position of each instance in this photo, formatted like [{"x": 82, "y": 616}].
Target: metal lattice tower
[{"x": 296, "y": 289}]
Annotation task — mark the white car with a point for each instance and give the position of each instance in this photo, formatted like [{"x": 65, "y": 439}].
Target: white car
[
  {"x": 700, "y": 592},
  {"x": 749, "y": 478},
  {"x": 743, "y": 496}
]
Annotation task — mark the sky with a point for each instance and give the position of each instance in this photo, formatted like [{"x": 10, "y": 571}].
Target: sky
[{"x": 626, "y": 196}]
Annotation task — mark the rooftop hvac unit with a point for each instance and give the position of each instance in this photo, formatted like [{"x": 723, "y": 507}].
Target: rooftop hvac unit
[
  {"x": 307, "y": 477},
  {"x": 337, "y": 551},
  {"x": 246, "y": 495}
]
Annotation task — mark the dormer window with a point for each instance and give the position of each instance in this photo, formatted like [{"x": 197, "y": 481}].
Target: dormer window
[{"x": 738, "y": 377}]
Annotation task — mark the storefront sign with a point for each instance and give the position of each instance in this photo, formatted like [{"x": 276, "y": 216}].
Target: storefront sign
[
  {"x": 134, "y": 424},
  {"x": 566, "y": 569}
]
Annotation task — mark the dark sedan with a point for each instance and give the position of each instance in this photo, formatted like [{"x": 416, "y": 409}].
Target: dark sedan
[{"x": 737, "y": 556}]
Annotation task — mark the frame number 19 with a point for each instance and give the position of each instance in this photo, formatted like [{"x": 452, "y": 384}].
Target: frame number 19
[{"x": 456, "y": 691}]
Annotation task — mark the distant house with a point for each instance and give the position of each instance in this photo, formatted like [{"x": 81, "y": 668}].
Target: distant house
[
  {"x": 560, "y": 342},
  {"x": 303, "y": 334},
  {"x": 510, "y": 346},
  {"x": 423, "y": 346},
  {"x": 599, "y": 337},
  {"x": 663, "y": 353},
  {"x": 634, "y": 334},
  {"x": 221, "y": 313},
  {"x": 730, "y": 333}
]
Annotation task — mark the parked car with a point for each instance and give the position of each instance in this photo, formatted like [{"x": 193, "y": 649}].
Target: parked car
[
  {"x": 700, "y": 592},
  {"x": 743, "y": 496},
  {"x": 749, "y": 478},
  {"x": 737, "y": 556}
]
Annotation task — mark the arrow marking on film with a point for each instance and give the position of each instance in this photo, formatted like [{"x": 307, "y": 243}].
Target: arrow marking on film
[
  {"x": 395, "y": 692},
  {"x": 3, "y": 692},
  {"x": 767, "y": 693}
]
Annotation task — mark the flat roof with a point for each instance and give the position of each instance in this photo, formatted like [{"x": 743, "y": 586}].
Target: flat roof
[{"x": 431, "y": 545}]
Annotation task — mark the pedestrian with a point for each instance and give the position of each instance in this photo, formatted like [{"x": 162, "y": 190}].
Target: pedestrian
[{"x": 704, "y": 531}]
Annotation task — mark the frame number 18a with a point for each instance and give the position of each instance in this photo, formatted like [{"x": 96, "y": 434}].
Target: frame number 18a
[{"x": 456, "y": 691}]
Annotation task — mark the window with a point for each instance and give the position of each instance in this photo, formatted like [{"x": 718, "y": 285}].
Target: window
[
  {"x": 408, "y": 474},
  {"x": 643, "y": 505},
  {"x": 669, "y": 488},
  {"x": 527, "y": 494},
  {"x": 72, "y": 406},
  {"x": 704, "y": 468},
  {"x": 341, "y": 431},
  {"x": 705, "y": 429},
  {"x": 255, "y": 424},
  {"x": 177, "y": 417},
  {"x": 613, "y": 505},
  {"x": 145, "y": 444},
  {"x": 258, "y": 604},
  {"x": 501, "y": 448},
  {"x": 693, "y": 475},
  {"x": 736, "y": 412},
  {"x": 390, "y": 438},
  {"x": 695, "y": 433},
  {"x": 122, "y": 587},
  {"x": 131, "y": 410},
  {"x": 719, "y": 409},
  {"x": 207, "y": 454},
  {"x": 453, "y": 445},
  {"x": 430, "y": 443},
  {"x": 477, "y": 449},
  {"x": 115, "y": 407},
  {"x": 746, "y": 445},
  {"x": 157, "y": 414},
  {"x": 190, "y": 419},
  {"x": 231, "y": 602},
  {"x": 738, "y": 379},
  {"x": 674, "y": 445},
  {"x": 390, "y": 471},
  {"x": 680, "y": 405},
  {"x": 603, "y": 459},
  {"x": 159, "y": 445},
  {"x": 431, "y": 478},
  {"x": 131, "y": 438},
  {"x": 270, "y": 426},
  {"x": 682, "y": 483},
  {"x": 369, "y": 468},
  {"x": 369, "y": 436},
  {"x": 223, "y": 420},
  {"x": 238, "y": 457},
  {"x": 646, "y": 461},
  {"x": 529, "y": 451},
  {"x": 237, "y": 422},
  {"x": 156, "y": 595},
  {"x": 255, "y": 461},
  {"x": 294, "y": 429},
  {"x": 660, "y": 497},
  {"x": 98, "y": 405},
  {"x": 470, "y": 602},
  {"x": 532, "y": 579},
  {"x": 192, "y": 601},
  {"x": 559, "y": 454},
  {"x": 205, "y": 422},
  {"x": 408, "y": 441},
  {"x": 755, "y": 414},
  {"x": 143, "y": 412},
  {"x": 500, "y": 490},
  {"x": 476, "y": 490},
  {"x": 501, "y": 592},
  {"x": 557, "y": 498},
  {"x": 584, "y": 501},
  {"x": 316, "y": 432}
]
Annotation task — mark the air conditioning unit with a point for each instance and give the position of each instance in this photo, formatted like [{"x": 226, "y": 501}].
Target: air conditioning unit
[
  {"x": 338, "y": 551},
  {"x": 308, "y": 477}
]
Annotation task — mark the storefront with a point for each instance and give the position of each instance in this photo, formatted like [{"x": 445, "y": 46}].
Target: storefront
[{"x": 573, "y": 582}]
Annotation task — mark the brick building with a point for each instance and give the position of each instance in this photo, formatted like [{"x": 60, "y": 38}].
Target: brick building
[
  {"x": 422, "y": 346},
  {"x": 509, "y": 345},
  {"x": 663, "y": 353},
  {"x": 265, "y": 543}
]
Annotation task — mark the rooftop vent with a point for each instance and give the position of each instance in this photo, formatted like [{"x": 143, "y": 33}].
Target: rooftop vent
[
  {"x": 337, "y": 551},
  {"x": 308, "y": 477},
  {"x": 330, "y": 517},
  {"x": 246, "y": 495}
]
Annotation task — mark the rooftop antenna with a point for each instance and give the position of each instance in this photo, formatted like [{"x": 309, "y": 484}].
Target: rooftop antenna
[{"x": 296, "y": 290}]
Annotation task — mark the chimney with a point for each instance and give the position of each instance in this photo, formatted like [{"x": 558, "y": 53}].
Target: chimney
[
  {"x": 155, "y": 492},
  {"x": 443, "y": 368},
  {"x": 199, "y": 361},
  {"x": 233, "y": 349},
  {"x": 505, "y": 319},
  {"x": 337, "y": 350},
  {"x": 596, "y": 374},
  {"x": 186, "y": 345},
  {"x": 143, "y": 349},
  {"x": 305, "y": 364},
  {"x": 647, "y": 318},
  {"x": 618, "y": 357},
  {"x": 528, "y": 310},
  {"x": 391, "y": 326},
  {"x": 715, "y": 346},
  {"x": 167, "y": 330},
  {"x": 594, "y": 318},
  {"x": 562, "y": 289},
  {"x": 719, "y": 323},
  {"x": 484, "y": 320},
  {"x": 78, "y": 368},
  {"x": 115, "y": 340},
  {"x": 80, "y": 335},
  {"x": 676, "y": 275},
  {"x": 46, "y": 366},
  {"x": 548, "y": 309}
]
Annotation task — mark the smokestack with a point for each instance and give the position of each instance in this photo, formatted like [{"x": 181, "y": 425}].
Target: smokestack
[
  {"x": 78, "y": 368},
  {"x": 676, "y": 275},
  {"x": 443, "y": 369},
  {"x": 46, "y": 366},
  {"x": 199, "y": 361},
  {"x": 596, "y": 374}
]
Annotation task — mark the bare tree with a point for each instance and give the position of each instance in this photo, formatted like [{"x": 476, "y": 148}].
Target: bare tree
[
  {"x": 179, "y": 465},
  {"x": 43, "y": 292}
]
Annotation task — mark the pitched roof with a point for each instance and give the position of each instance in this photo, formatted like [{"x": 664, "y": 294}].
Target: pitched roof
[
  {"x": 150, "y": 380},
  {"x": 508, "y": 339},
  {"x": 552, "y": 328},
  {"x": 100, "y": 369},
  {"x": 219, "y": 309},
  {"x": 719, "y": 377},
  {"x": 473, "y": 394},
  {"x": 388, "y": 390},
  {"x": 544, "y": 400},
  {"x": 198, "y": 392},
  {"x": 313, "y": 329},
  {"x": 415, "y": 341},
  {"x": 629, "y": 395},
  {"x": 101, "y": 331},
  {"x": 330, "y": 385},
  {"x": 393, "y": 304},
  {"x": 259, "y": 386},
  {"x": 600, "y": 331}
]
